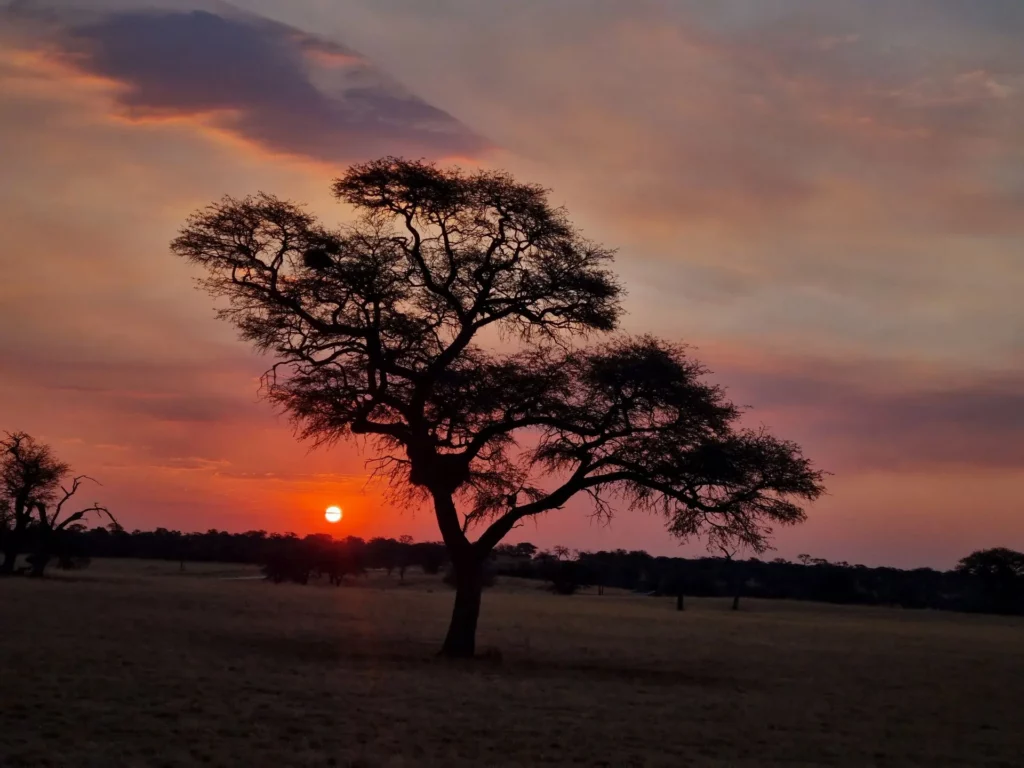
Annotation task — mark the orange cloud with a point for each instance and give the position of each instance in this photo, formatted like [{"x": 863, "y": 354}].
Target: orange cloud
[
  {"x": 838, "y": 230},
  {"x": 331, "y": 58}
]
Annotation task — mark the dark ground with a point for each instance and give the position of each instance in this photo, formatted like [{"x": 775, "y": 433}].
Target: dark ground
[{"x": 132, "y": 664}]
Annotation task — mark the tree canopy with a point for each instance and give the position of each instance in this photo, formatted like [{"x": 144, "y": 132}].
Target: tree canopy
[
  {"x": 997, "y": 565},
  {"x": 32, "y": 481},
  {"x": 444, "y": 325},
  {"x": 30, "y": 475}
]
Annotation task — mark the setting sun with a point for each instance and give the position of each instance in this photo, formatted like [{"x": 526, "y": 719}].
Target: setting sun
[{"x": 333, "y": 514}]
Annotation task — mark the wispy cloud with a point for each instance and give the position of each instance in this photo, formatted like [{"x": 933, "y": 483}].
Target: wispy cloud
[
  {"x": 887, "y": 416},
  {"x": 832, "y": 189}
]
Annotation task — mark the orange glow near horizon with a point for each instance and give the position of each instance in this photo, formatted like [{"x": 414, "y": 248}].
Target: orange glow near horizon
[{"x": 841, "y": 250}]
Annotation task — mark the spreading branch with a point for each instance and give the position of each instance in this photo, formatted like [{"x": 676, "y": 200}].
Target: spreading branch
[
  {"x": 53, "y": 522},
  {"x": 378, "y": 329}
]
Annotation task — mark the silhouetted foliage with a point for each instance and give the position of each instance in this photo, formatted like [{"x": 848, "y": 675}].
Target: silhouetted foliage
[
  {"x": 376, "y": 330},
  {"x": 52, "y": 527},
  {"x": 999, "y": 574},
  {"x": 32, "y": 498},
  {"x": 522, "y": 549},
  {"x": 811, "y": 579},
  {"x": 964, "y": 589},
  {"x": 996, "y": 566},
  {"x": 30, "y": 474},
  {"x": 404, "y": 555},
  {"x": 385, "y": 552},
  {"x": 567, "y": 576},
  {"x": 488, "y": 576},
  {"x": 430, "y": 556},
  {"x": 289, "y": 564}
]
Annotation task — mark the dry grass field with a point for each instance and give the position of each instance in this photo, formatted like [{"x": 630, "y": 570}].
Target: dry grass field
[{"x": 133, "y": 664}]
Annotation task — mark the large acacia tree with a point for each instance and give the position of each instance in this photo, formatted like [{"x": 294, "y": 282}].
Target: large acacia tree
[{"x": 445, "y": 327}]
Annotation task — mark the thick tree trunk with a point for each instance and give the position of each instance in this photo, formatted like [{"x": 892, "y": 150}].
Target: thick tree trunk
[
  {"x": 460, "y": 643},
  {"x": 467, "y": 561}
]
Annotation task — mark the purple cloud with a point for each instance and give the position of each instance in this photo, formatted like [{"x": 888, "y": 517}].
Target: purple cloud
[{"x": 266, "y": 82}]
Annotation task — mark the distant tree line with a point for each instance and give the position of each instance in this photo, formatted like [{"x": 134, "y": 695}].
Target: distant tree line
[
  {"x": 990, "y": 581},
  {"x": 283, "y": 557}
]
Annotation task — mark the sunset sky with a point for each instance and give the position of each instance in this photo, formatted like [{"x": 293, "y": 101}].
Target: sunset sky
[{"x": 824, "y": 197}]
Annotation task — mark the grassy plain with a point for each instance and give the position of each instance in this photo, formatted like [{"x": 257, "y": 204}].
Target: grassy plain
[{"x": 134, "y": 664}]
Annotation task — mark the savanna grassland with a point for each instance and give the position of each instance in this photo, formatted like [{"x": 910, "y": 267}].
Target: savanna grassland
[{"x": 134, "y": 664}]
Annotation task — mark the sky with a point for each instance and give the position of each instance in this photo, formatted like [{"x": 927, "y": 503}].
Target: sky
[{"x": 824, "y": 197}]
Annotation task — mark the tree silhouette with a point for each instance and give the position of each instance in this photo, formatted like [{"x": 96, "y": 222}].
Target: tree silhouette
[
  {"x": 999, "y": 564},
  {"x": 561, "y": 552},
  {"x": 51, "y": 525},
  {"x": 405, "y": 554},
  {"x": 30, "y": 475},
  {"x": 440, "y": 326},
  {"x": 1000, "y": 571},
  {"x": 430, "y": 556},
  {"x": 524, "y": 549}
]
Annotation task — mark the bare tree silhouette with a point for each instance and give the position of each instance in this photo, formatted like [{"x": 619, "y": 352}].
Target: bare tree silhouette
[
  {"x": 389, "y": 328},
  {"x": 51, "y": 526}
]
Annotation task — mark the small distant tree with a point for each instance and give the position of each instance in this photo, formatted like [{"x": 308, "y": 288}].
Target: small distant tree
[
  {"x": 383, "y": 553},
  {"x": 524, "y": 549},
  {"x": 31, "y": 486},
  {"x": 430, "y": 556},
  {"x": 405, "y": 555},
  {"x": 1000, "y": 572},
  {"x": 998, "y": 565},
  {"x": 596, "y": 568},
  {"x": 30, "y": 475},
  {"x": 380, "y": 331},
  {"x": 568, "y": 574},
  {"x": 561, "y": 553}
]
